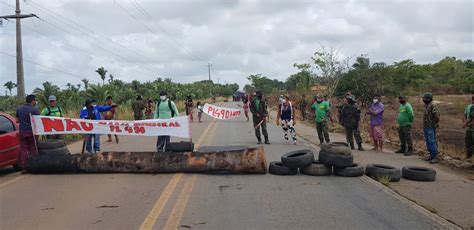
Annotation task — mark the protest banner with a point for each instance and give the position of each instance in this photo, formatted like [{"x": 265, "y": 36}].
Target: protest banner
[
  {"x": 177, "y": 126},
  {"x": 221, "y": 112}
]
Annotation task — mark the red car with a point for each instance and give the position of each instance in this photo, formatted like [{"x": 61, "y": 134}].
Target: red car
[{"x": 9, "y": 142}]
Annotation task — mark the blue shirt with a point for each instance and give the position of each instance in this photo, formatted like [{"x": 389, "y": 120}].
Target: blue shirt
[
  {"x": 23, "y": 114},
  {"x": 97, "y": 109}
]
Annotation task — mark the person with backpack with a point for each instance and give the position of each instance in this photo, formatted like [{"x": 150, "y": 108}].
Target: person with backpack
[
  {"x": 92, "y": 112},
  {"x": 53, "y": 110},
  {"x": 165, "y": 109},
  {"x": 469, "y": 126},
  {"x": 286, "y": 115}
]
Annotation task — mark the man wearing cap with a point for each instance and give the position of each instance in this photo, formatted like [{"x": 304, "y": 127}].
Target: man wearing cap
[
  {"x": 138, "y": 106},
  {"x": 322, "y": 116},
  {"x": 350, "y": 118},
  {"x": 92, "y": 112},
  {"x": 27, "y": 139},
  {"x": 430, "y": 124},
  {"x": 258, "y": 108},
  {"x": 469, "y": 125},
  {"x": 52, "y": 110},
  {"x": 405, "y": 121},
  {"x": 165, "y": 109}
]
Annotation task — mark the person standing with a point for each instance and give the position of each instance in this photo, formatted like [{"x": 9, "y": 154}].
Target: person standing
[
  {"x": 322, "y": 115},
  {"x": 165, "y": 109},
  {"x": 258, "y": 108},
  {"x": 469, "y": 125},
  {"x": 350, "y": 118},
  {"x": 245, "y": 101},
  {"x": 110, "y": 115},
  {"x": 405, "y": 122},
  {"x": 138, "y": 106},
  {"x": 52, "y": 110},
  {"x": 199, "y": 108},
  {"x": 303, "y": 105},
  {"x": 376, "y": 122},
  {"x": 189, "y": 104},
  {"x": 27, "y": 139},
  {"x": 150, "y": 109},
  {"x": 92, "y": 112},
  {"x": 286, "y": 117},
  {"x": 430, "y": 124}
]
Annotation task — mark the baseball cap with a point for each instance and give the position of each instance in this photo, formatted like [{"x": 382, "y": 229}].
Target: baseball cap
[{"x": 52, "y": 98}]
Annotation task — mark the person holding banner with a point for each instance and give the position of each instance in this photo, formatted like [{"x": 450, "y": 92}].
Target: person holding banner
[
  {"x": 27, "y": 139},
  {"x": 165, "y": 109},
  {"x": 110, "y": 115},
  {"x": 258, "y": 107},
  {"x": 287, "y": 116},
  {"x": 92, "y": 112}
]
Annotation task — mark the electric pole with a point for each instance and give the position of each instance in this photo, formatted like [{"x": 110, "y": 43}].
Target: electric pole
[
  {"x": 209, "y": 70},
  {"x": 20, "y": 78}
]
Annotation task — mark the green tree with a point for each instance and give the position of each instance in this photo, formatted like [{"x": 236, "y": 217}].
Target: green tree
[
  {"x": 102, "y": 73},
  {"x": 86, "y": 83},
  {"x": 10, "y": 85}
]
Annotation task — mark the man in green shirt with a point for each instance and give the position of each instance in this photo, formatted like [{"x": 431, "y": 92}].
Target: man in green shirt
[
  {"x": 258, "y": 108},
  {"x": 165, "y": 109},
  {"x": 138, "y": 106},
  {"x": 53, "y": 110},
  {"x": 469, "y": 125},
  {"x": 322, "y": 115},
  {"x": 405, "y": 122}
]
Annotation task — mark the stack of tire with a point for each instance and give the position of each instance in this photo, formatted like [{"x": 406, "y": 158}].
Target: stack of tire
[
  {"x": 292, "y": 161},
  {"x": 338, "y": 156},
  {"x": 52, "y": 146}
]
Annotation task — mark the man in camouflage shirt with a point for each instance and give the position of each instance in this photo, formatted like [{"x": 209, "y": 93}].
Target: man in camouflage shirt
[{"x": 430, "y": 124}]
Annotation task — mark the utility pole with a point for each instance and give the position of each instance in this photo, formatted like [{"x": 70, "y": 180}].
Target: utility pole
[
  {"x": 209, "y": 70},
  {"x": 20, "y": 78}
]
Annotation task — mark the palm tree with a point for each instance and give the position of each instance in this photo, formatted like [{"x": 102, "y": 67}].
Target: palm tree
[
  {"x": 47, "y": 90},
  {"x": 86, "y": 83},
  {"x": 10, "y": 85},
  {"x": 102, "y": 73},
  {"x": 111, "y": 78}
]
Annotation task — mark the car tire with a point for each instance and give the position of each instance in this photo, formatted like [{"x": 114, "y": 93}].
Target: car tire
[
  {"x": 418, "y": 173},
  {"x": 336, "y": 148},
  {"x": 277, "y": 168},
  {"x": 355, "y": 170},
  {"x": 378, "y": 170},
  {"x": 298, "y": 158},
  {"x": 340, "y": 161},
  {"x": 183, "y": 146},
  {"x": 316, "y": 169},
  {"x": 51, "y": 144},
  {"x": 56, "y": 151}
]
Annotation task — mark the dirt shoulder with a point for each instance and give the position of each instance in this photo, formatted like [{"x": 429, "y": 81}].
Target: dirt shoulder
[{"x": 450, "y": 196}]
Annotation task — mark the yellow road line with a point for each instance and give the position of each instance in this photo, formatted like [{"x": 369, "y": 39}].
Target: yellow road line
[
  {"x": 164, "y": 197},
  {"x": 180, "y": 206},
  {"x": 160, "y": 204},
  {"x": 11, "y": 181}
]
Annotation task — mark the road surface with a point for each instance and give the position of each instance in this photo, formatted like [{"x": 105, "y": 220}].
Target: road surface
[{"x": 204, "y": 201}]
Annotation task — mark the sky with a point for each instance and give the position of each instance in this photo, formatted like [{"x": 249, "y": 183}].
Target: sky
[{"x": 147, "y": 39}]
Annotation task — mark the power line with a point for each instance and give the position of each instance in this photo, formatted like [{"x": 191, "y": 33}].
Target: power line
[
  {"x": 149, "y": 29},
  {"x": 47, "y": 67},
  {"x": 161, "y": 28}
]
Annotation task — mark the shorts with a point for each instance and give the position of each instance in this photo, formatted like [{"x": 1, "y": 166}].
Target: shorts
[{"x": 376, "y": 132}]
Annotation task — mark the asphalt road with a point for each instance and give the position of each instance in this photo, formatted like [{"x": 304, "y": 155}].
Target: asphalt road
[{"x": 203, "y": 201}]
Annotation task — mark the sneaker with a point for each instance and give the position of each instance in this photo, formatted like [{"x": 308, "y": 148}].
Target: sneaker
[
  {"x": 259, "y": 142},
  {"x": 434, "y": 161},
  {"x": 97, "y": 152},
  {"x": 360, "y": 148},
  {"x": 267, "y": 142},
  {"x": 429, "y": 158}
]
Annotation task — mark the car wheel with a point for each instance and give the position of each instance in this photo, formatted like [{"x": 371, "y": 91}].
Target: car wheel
[
  {"x": 298, "y": 159},
  {"x": 355, "y": 170},
  {"x": 418, "y": 173},
  {"x": 377, "y": 171},
  {"x": 277, "y": 168},
  {"x": 339, "y": 161}
]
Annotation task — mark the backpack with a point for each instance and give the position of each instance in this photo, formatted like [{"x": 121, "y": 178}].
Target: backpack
[
  {"x": 169, "y": 105},
  {"x": 49, "y": 111}
]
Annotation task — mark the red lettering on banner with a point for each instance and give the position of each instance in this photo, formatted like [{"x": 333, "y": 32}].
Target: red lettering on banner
[
  {"x": 50, "y": 124},
  {"x": 172, "y": 124},
  {"x": 164, "y": 124},
  {"x": 70, "y": 125},
  {"x": 87, "y": 126},
  {"x": 102, "y": 123},
  {"x": 177, "y": 124},
  {"x": 209, "y": 109},
  {"x": 227, "y": 113},
  {"x": 222, "y": 113}
]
